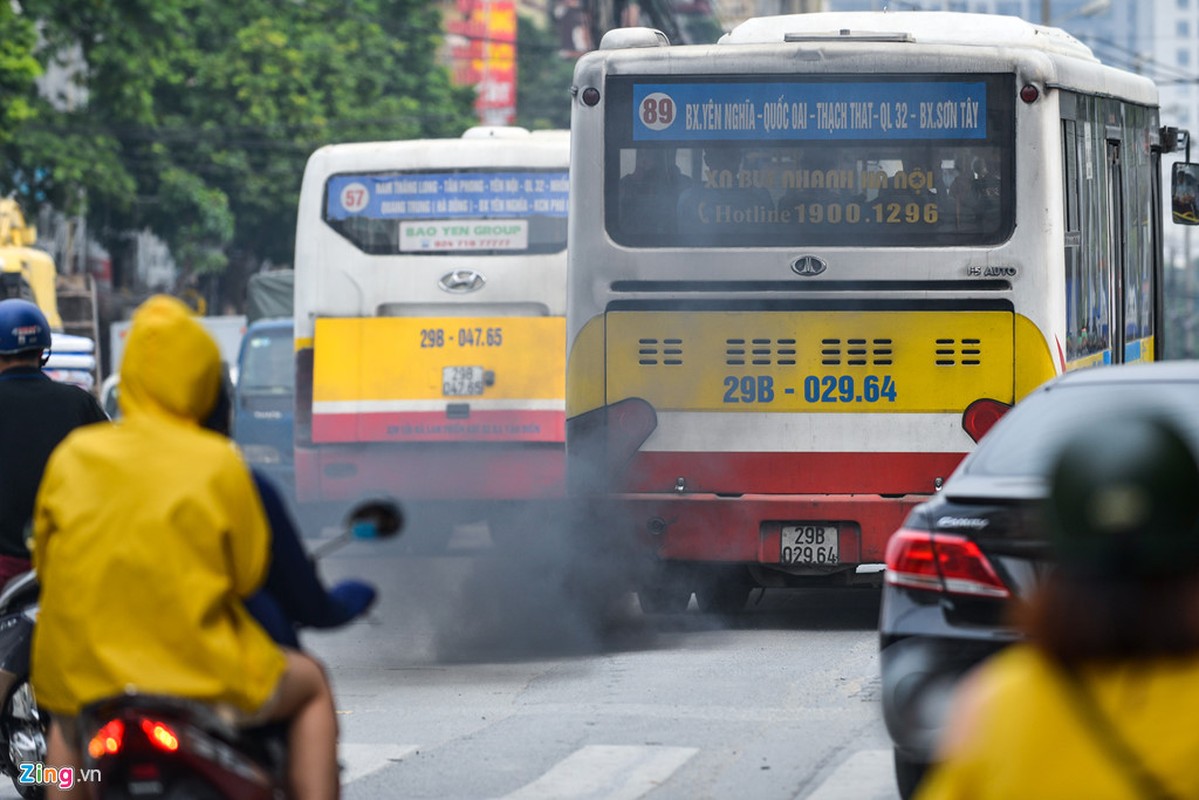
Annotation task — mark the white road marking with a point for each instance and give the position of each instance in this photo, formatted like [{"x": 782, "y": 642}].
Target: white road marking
[
  {"x": 606, "y": 772},
  {"x": 360, "y": 760},
  {"x": 866, "y": 775}
]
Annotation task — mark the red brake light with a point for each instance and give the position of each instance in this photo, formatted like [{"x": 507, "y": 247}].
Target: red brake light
[
  {"x": 630, "y": 422},
  {"x": 160, "y": 735},
  {"x": 941, "y": 563},
  {"x": 601, "y": 442},
  {"x": 108, "y": 739},
  {"x": 980, "y": 415},
  {"x": 145, "y": 772}
]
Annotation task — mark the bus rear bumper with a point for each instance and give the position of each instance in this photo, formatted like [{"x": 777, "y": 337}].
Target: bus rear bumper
[
  {"x": 448, "y": 473},
  {"x": 748, "y": 529}
]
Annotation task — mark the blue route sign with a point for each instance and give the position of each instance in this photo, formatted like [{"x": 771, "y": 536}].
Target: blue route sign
[
  {"x": 829, "y": 111},
  {"x": 447, "y": 195}
]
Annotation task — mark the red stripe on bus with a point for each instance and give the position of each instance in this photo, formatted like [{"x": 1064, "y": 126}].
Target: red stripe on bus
[
  {"x": 448, "y": 472},
  {"x": 437, "y": 426},
  {"x": 790, "y": 473}
]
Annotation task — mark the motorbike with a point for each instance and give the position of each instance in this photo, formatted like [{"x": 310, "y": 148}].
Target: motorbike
[
  {"x": 22, "y": 726},
  {"x": 168, "y": 748}
]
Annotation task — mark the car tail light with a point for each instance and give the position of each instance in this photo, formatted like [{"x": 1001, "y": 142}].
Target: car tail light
[
  {"x": 941, "y": 563},
  {"x": 981, "y": 415},
  {"x": 160, "y": 735},
  {"x": 108, "y": 739}
]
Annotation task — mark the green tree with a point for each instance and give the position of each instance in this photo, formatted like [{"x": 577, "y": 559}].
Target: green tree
[
  {"x": 201, "y": 114},
  {"x": 543, "y": 78},
  {"x": 18, "y": 69}
]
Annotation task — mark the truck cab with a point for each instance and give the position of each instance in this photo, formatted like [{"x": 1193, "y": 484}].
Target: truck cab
[{"x": 264, "y": 398}]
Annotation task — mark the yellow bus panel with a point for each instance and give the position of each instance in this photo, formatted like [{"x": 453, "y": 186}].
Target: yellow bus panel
[
  {"x": 826, "y": 361},
  {"x": 407, "y": 358}
]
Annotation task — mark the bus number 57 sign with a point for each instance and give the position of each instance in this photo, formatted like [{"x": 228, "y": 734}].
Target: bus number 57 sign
[{"x": 355, "y": 197}]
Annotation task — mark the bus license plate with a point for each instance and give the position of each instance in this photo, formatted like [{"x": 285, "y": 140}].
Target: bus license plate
[
  {"x": 809, "y": 544},
  {"x": 461, "y": 381}
]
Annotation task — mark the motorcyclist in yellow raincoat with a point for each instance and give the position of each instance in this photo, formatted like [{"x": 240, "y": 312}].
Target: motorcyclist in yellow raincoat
[{"x": 147, "y": 535}]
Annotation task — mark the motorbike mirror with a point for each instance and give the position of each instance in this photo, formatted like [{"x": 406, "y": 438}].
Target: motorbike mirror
[{"x": 375, "y": 518}]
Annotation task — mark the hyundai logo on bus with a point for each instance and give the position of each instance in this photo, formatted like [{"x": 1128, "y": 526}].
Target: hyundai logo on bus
[
  {"x": 807, "y": 266},
  {"x": 461, "y": 281}
]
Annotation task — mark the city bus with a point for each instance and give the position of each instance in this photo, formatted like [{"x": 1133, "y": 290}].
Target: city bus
[
  {"x": 430, "y": 300},
  {"x": 812, "y": 263}
]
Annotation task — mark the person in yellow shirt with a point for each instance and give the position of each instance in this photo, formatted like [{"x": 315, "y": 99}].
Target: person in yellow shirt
[
  {"x": 147, "y": 535},
  {"x": 1098, "y": 703}
]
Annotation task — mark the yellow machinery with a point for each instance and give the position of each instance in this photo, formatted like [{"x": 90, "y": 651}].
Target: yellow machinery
[{"x": 68, "y": 301}]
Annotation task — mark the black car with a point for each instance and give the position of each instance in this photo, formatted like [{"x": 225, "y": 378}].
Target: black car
[{"x": 962, "y": 558}]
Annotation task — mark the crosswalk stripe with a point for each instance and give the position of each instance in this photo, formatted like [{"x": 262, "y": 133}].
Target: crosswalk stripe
[
  {"x": 360, "y": 760},
  {"x": 864, "y": 775},
  {"x": 606, "y": 772}
]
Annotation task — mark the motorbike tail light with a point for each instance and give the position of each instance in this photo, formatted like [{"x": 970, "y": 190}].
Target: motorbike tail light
[
  {"x": 981, "y": 415},
  {"x": 160, "y": 735},
  {"x": 108, "y": 739},
  {"x": 145, "y": 772},
  {"x": 941, "y": 563}
]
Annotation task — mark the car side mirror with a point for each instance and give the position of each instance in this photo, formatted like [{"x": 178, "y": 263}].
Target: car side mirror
[{"x": 1184, "y": 193}]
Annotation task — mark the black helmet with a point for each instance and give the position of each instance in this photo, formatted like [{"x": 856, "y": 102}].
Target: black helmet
[
  {"x": 1124, "y": 502},
  {"x": 23, "y": 327}
]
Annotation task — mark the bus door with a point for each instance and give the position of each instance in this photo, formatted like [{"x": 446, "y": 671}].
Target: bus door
[{"x": 1116, "y": 239}]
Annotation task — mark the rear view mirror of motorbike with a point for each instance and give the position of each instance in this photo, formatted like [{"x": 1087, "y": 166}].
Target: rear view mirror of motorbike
[{"x": 375, "y": 518}]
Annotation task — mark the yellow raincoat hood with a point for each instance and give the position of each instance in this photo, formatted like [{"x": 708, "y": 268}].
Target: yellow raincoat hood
[{"x": 171, "y": 364}]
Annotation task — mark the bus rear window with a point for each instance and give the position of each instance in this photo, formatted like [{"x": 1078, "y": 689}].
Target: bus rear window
[
  {"x": 450, "y": 213},
  {"x": 921, "y": 161}
]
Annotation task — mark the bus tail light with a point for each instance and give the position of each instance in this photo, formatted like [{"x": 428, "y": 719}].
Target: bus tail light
[
  {"x": 602, "y": 441},
  {"x": 941, "y": 563},
  {"x": 303, "y": 415},
  {"x": 981, "y": 415}
]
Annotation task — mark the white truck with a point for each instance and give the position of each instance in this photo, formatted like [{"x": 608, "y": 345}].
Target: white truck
[{"x": 228, "y": 331}]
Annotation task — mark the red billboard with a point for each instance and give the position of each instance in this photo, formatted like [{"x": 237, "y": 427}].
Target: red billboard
[{"x": 482, "y": 40}]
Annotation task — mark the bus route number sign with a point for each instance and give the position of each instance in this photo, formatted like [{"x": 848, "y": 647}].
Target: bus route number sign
[
  {"x": 461, "y": 381},
  {"x": 809, "y": 544}
]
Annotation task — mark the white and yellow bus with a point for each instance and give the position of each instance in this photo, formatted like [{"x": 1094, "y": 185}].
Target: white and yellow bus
[
  {"x": 812, "y": 263},
  {"x": 430, "y": 321}
]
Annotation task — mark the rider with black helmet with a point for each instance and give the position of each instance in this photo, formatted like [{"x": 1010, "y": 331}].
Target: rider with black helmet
[
  {"x": 1098, "y": 702},
  {"x": 35, "y": 415}
]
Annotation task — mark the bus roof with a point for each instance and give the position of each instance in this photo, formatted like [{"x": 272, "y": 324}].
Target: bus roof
[
  {"x": 882, "y": 42},
  {"x": 923, "y": 27},
  {"x": 478, "y": 150}
]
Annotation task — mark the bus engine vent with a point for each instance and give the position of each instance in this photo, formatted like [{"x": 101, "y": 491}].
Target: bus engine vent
[
  {"x": 665, "y": 352},
  {"x": 760, "y": 352},
  {"x": 856, "y": 352},
  {"x": 955, "y": 352}
]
